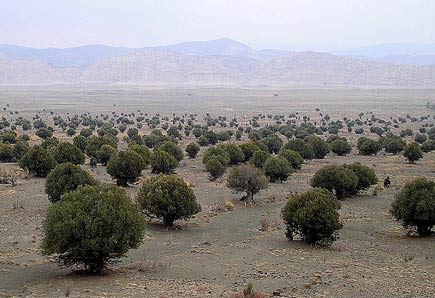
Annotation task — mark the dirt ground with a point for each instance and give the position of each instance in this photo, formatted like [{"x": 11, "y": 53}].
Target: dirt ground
[{"x": 219, "y": 252}]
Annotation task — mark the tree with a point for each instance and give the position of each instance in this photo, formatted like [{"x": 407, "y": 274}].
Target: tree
[
  {"x": 337, "y": 179},
  {"x": 293, "y": 157},
  {"x": 306, "y": 150},
  {"x": 394, "y": 144},
  {"x": 172, "y": 149},
  {"x": 366, "y": 176},
  {"x": 215, "y": 168},
  {"x": 19, "y": 150},
  {"x": 313, "y": 215},
  {"x": 234, "y": 153},
  {"x": 218, "y": 153},
  {"x": 38, "y": 161},
  {"x": 92, "y": 227},
  {"x": 341, "y": 147},
  {"x": 320, "y": 147},
  {"x": 104, "y": 154},
  {"x": 246, "y": 178},
  {"x": 169, "y": 198},
  {"x": 414, "y": 206},
  {"x": 66, "y": 177},
  {"x": 259, "y": 158},
  {"x": 277, "y": 169},
  {"x": 413, "y": 152},
  {"x": 125, "y": 167},
  {"x": 67, "y": 152},
  {"x": 44, "y": 133},
  {"x": 368, "y": 146},
  {"x": 192, "y": 150},
  {"x": 80, "y": 142},
  {"x": 5, "y": 153},
  {"x": 162, "y": 162},
  {"x": 248, "y": 150},
  {"x": 273, "y": 143},
  {"x": 143, "y": 151}
]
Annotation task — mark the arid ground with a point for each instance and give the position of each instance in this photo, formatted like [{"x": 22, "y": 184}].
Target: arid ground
[{"x": 219, "y": 251}]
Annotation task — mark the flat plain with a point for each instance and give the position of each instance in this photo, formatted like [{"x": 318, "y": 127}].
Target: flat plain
[{"x": 219, "y": 251}]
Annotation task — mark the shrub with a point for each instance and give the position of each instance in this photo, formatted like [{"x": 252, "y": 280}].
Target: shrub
[
  {"x": 215, "y": 168},
  {"x": 313, "y": 215},
  {"x": 248, "y": 150},
  {"x": 320, "y": 147},
  {"x": 143, "y": 151},
  {"x": 44, "y": 133},
  {"x": 168, "y": 198},
  {"x": 337, "y": 179},
  {"x": 162, "y": 162},
  {"x": 125, "y": 167},
  {"x": 5, "y": 153},
  {"x": 192, "y": 150},
  {"x": 414, "y": 206},
  {"x": 413, "y": 152},
  {"x": 234, "y": 153},
  {"x": 67, "y": 152},
  {"x": 428, "y": 146},
  {"x": 80, "y": 142},
  {"x": 420, "y": 138},
  {"x": 95, "y": 143},
  {"x": 293, "y": 157},
  {"x": 277, "y": 169},
  {"x": 246, "y": 178},
  {"x": 393, "y": 144},
  {"x": 64, "y": 178},
  {"x": 306, "y": 150},
  {"x": 38, "y": 161},
  {"x": 19, "y": 150},
  {"x": 218, "y": 153},
  {"x": 91, "y": 227},
  {"x": 273, "y": 143},
  {"x": 366, "y": 176},
  {"x": 172, "y": 149},
  {"x": 368, "y": 146},
  {"x": 341, "y": 147},
  {"x": 104, "y": 154},
  {"x": 259, "y": 158}
]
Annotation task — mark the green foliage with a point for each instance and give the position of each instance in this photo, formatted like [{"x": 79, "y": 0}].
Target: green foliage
[
  {"x": 393, "y": 144},
  {"x": 277, "y": 169},
  {"x": 368, "y": 146},
  {"x": 92, "y": 227},
  {"x": 172, "y": 149},
  {"x": 125, "y": 167},
  {"x": 320, "y": 147},
  {"x": 234, "y": 153},
  {"x": 313, "y": 215},
  {"x": 340, "y": 147},
  {"x": 104, "y": 154},
  {"x": 19, "y": 150},
  {"x": 168, "y": 198},
  {"x": 80, "y": 142},
  {"x": 5, "y": 152},
  {"x": 259, "y": 158},
  {"x": 337, "y": 179},
  {"x": 38, "y": 161},
  {"x": 162, "y": 162},
  {"x": 44, "y": 133},
  {"x": 248, "y": 150},
  {"x": 64, "y": 178},
  {"x": 246, "y": 178},
  {"x": 143, "y": 151},
  {"x": 215, "y": 168},
  {"x": 192, "y": 150},
  {"x": 413, "y": 152},
  {"x": 306, "y": 150},
  {"x": 414, "y": 206},
  {"x": 67, "y": 152},
  {"x": 218, "y": 153},
  {"x": 428, "y": 146},
  {"x": 95, "y": 143},
  {"x": 273, "y": 143},
  {"x": 366, "y": 176},
  {"x": 293, "y": 157}
]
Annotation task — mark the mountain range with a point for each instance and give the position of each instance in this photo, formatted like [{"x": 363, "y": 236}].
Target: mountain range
[{"x": 222, "y": 62}]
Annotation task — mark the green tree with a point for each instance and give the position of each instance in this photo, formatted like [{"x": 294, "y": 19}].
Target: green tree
[
  {"x": 368, "y": 146},
  {"x": 259, "y": 158},
  {"x": 248, "y": 150},
  {"x": 104, "y": 154},
  {"x": 248, "y": 179},
  {"x": 80, "y": 142},
  {"x": 413, "y": 152},
  {"x": 337, "y": 179},
  {"x": 5, "y": 153},
  {"x": 215, "y": 168},
  {"x": 38, "y": 161},
  {"x": 92, "y": 227},
  {"x": 66, "y": 177},
  {"x": 172, "y": 149},
  {"x": 393, "y": 144},
  {"x": 366, "y": 176},
  {"x": 234, "y": 152},
  {"x": 44, "y": 133},
  {"x": 313, "y": 215},
  {"x": 143, "y": 151},
  {"x": 277, "y": 169},
  {"x": 414, "y": 206},
  {"x": 192, "y": 150},
  {"x": 162, "y": 162},
  {"x": 341, "y": 147},
  {"x": 169, "y": 198},
  {"x": 293, "y": 157},
  {"x": 306, "y": 150},
  {"x": 320, "y": 147},
  {"x": 67, "y": 152},
  {"x": 19, "y": 150},
  {"x": 125, "y": 167}
]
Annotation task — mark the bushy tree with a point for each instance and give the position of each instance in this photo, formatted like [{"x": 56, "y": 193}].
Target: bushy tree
[
  {"x": 259, "y": 158},
  {"x": 413, "y": 152},
  {"x": 306, "y": 150},
  {"x": 19, "y": 150},
  {"x": 162, "y": 162},
  {"x": 80, "y": 142},
  {"x": 248, "y": 179},
  {"x": 44, "y": 133},
  {"x": 320, "y": 147},
  {"x": 218, "y": 153},
  {"x": 337, "y": 179},
  {"x": 248, "y": 150},
  {"x": 92, "y": 227},
  {"x": 143, "y": 151},
  {"x": 215, "y": 168},
  {"x": 393, "y": 144},
  {"x": 293, "y": 157},
  {"x": 273, "y": 143},
  {"x": 38, "y": 161},
  {"x": 64, "y": 178},
  {"x": 172, "y": 149},
  {"x": 5, "y": 153},
  {"x": 234, "y": 153},
  {"x": 277, "y": 169},
  {"x": 414, "y": 206},
  {"x": 366, "y": 176},
  {"x": 368, "y": 146},
  {"x": 313, "y": 215},
  {"x": 341, "y": 147},
  {"x": 104, "y": 154},
  {"x": 169, "y": 198},
  {"x": 428, "y": 146},
  {"x": 67, "y": 152},
  {"x": 192, "y": 150},
  {"x": 125, "y": 167}
]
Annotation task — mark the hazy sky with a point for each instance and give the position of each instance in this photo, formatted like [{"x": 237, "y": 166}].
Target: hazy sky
[{"x": 286, "y": 24}]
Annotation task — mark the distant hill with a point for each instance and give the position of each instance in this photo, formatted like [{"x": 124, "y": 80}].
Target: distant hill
[{"x": 221, "y": 61}]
